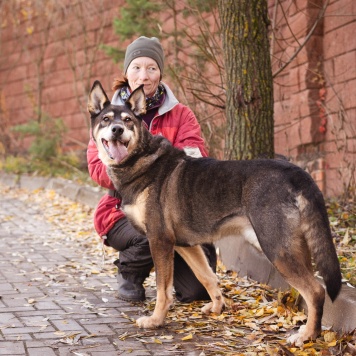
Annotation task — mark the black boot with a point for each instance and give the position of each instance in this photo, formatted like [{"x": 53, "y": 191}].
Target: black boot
[{"x": 130, "y": 291}]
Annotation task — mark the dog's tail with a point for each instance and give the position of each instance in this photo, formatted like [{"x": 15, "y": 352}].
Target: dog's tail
[{"x": 319, "y": 239}]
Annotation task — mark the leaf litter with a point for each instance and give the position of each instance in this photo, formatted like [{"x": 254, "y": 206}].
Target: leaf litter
[{"x": 256, "y": 321}]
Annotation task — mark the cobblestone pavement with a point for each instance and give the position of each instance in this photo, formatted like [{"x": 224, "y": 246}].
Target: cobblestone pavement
[{"x": 46, "y": 310}]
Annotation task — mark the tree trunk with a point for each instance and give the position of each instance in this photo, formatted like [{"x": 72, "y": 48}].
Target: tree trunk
[{"x": 249, "y": 86}]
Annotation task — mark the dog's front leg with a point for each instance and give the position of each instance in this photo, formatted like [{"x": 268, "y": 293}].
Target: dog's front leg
[
  {"x": 163, "y": 255},
  {"x": 197, "y": 261}
]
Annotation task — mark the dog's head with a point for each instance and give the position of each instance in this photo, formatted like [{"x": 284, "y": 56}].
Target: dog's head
[{"x": 115, "y": 128}]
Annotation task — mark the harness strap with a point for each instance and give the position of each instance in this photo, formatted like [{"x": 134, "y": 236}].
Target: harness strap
[{"x": 114, "y": 193}]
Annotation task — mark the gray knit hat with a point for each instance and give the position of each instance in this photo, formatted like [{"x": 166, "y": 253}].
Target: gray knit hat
[{"x": 145, "y": 47}]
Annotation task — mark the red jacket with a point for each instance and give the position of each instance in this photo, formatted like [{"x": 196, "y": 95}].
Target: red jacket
[{"x": 174, "y": 121}]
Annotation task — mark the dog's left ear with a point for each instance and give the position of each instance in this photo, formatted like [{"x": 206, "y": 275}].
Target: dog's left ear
[
  {"x": 137, "y": 101},
  {"x": 97, "y": 99}
]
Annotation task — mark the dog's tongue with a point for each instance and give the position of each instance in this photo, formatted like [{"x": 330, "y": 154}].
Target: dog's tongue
[{"x": 117, "y": 151}]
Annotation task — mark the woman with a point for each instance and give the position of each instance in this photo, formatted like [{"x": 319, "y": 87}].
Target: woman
[{"x": 144, "y": 64}]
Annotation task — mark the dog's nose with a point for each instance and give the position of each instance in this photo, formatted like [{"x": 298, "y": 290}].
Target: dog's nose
[{"x": 117, "y": 130}]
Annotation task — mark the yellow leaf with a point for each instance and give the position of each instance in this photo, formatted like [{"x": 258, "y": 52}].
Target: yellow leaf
[
  {"x": 156, "y": 341},
  {"x": 332, "y": 343},
  {"x": 188, "y": 337},
  {"x": 260, "y": 312},
  {"x": 29, "y": 30},
  {"x": 330, "y": 337},
  {"x": 24, "y": 13}
]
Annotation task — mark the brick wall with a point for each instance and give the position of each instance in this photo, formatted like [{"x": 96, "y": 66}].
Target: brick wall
[
  {"x": 315, "y": 96},
  {"x": 50, "y": 55}
]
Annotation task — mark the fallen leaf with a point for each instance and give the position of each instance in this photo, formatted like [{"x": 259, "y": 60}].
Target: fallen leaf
[{"x": 188, "y": 337}]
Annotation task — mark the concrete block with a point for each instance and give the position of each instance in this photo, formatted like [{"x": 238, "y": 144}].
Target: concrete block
[
  {"x": 340, "y": 314},
  {"x": 71, "y": 190},
  {"x": 89, "y": 196},
  {"x": 11, "y": 180},
  {"x": 57, "y": 184},
  {"x": 33, "y": 183},
  {"x": 239, "y": 255}
]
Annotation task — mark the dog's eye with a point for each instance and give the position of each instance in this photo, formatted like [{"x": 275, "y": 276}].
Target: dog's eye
[
  {"x": 127, "y": 119},
  {"x": 105, "y": 118}
]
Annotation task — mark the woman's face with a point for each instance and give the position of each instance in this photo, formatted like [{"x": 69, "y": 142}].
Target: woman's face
[{"x": 144, "y": 70}]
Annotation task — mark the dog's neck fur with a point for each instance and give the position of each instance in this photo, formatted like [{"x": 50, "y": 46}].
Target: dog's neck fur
[{"x": 143, "y": 166}]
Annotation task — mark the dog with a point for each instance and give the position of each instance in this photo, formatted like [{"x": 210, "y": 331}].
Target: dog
[{"x": 180, "y": 202}]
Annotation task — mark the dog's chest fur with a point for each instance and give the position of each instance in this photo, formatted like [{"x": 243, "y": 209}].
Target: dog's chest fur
[{"x": 136, "y": 211}]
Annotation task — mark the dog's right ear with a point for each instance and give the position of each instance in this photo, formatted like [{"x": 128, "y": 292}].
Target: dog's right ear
[
  {"x": 137, "y": 101},
  {"x": 97, "y": 99}
]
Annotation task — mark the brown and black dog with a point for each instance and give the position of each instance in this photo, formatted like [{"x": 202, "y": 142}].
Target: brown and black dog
[{"x": 180, "y": 202}]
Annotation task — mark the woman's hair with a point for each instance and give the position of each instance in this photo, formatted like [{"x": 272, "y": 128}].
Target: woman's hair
[{"x": 120, "y": 83}]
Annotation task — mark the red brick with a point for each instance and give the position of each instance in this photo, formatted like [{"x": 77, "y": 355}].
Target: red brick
[
  {"x": 280, "y": 113},
  {"x": 341, "y": 125},
  {"x": 301, "y": 105},
  {"x": 349, "y": 32},
  {"x": 106, "y": 72},
  {"x": 351, "y": 150},
  {"x": 318, "y": 176},
  {"x": 294, "y": 107},
  {"x": 344, "y": 92},
  {"x": 77, "y": 121},
  {"x": 300, "y": 132},
  {"x": 337, "y": 14},
  {"x": 329, "y": 70},
  {"x": 296, "y": 6},
  {"x": 279, "y": 84},
  {"x": 338, "y": 180},
  {"x": 340, "y": 41},
  {"x": 345, "y": 67},
  {"x": 282, "y": 143}
]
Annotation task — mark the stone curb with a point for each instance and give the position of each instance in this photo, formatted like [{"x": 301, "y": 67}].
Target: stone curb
[
  {"x": 86, "y": 195},
  {"x": 341, "y": 314}
]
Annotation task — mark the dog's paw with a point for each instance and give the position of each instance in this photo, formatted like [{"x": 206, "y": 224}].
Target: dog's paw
[
  {"x": 213, "y": 308},
  {"x": 301, "y": 336},
  {"x": 207, "y": 308},
  {"x": 148, "y": 322}
]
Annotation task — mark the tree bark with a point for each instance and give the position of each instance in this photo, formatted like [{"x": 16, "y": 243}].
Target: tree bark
[{"x": 249, "y": 85}]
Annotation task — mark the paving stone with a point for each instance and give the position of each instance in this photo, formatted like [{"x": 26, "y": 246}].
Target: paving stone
[
  {"x": 41, "y": 351},
  {"x": 12, "y": 348},
  {"x": 67, "y": 325},
  {"x": 99, "y": 329}
]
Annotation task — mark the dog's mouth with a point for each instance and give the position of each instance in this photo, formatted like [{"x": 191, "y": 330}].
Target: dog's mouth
[{"x": 116, "y": 149}]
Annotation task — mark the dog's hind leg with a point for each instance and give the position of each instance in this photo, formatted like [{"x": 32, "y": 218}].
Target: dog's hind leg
[
  {"x": 297, "y": 273},
  {"x": 196, "y": 259},
  {"x": 285, "y": 246},
  {"x": 163, "y": 261},
  {"x": 294, "y": 264}
]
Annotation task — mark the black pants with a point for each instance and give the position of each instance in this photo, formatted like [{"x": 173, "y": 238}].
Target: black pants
[{"x": 135, "y": 261}]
